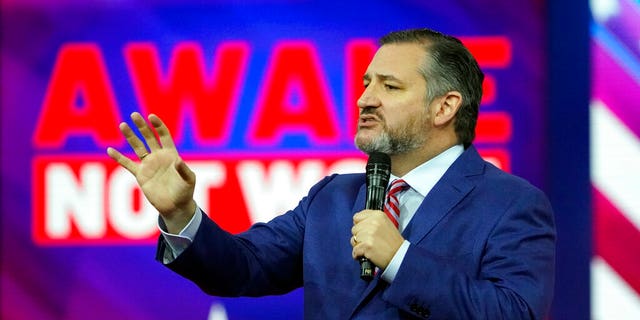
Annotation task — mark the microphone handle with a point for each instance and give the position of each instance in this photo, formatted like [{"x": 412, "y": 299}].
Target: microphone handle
[
  {"x": 375, "y": 201},
  {"x": 366, "y": 269}
]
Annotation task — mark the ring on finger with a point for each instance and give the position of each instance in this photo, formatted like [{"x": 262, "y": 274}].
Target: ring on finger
[{"x": 143, "y": 155}]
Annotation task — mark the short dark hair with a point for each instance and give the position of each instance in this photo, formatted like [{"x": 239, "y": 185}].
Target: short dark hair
[{"x": 449, "y": 66}]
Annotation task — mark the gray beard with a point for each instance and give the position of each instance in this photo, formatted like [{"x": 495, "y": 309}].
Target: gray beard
[{"x": 391, "y": 144}]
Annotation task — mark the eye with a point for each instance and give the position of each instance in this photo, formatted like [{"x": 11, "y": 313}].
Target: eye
[{"x": 390, "y": 87}]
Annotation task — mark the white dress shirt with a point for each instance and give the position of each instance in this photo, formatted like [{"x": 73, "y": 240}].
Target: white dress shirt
[{"x": 421, "y": 180}]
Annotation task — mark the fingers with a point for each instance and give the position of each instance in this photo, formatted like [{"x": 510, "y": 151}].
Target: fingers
[
  {"x": 184, "y": 172},
  {"x": 133, "y": 140},
  {"x": 360, "y": 241},
  {"x": 360, "y": 249},
  {"x": 122, "y": 160},
  {"x": 364, "y": 214},
  {"x": 148, "y": 134},
  {"x": 163, "y": 132},
  {"x": 374, "y": 237}
]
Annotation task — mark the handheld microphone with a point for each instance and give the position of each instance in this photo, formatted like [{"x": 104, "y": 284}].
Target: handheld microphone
[{"x": 377, "y": 174}]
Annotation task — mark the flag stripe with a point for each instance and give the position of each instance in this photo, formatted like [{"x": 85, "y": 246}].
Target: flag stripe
[
  {"x": 617, "y": 240},
  {"x": 615, "y": 167},
  {"x": 611, "y": 296}
]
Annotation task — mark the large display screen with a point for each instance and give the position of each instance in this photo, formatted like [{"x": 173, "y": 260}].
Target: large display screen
[{"x": 260, "y": 98}]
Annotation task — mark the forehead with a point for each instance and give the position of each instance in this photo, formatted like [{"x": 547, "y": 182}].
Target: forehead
[{"x": 401, "y": 60}]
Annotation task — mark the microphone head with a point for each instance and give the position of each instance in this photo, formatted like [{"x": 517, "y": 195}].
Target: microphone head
[
  {"x": 379, "y": 164},
  {"x": 379, "y": 158},
  {"x": 377, "y": 177}
]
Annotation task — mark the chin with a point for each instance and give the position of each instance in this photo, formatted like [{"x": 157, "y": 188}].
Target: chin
[
  {"x": 360, "y": 144},
  {"x": 369, "y": 145},
  {"x": 362, "y": 140}
]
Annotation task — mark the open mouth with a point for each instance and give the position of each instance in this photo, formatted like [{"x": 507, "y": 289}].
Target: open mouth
[{"x": 367, "y": 120}]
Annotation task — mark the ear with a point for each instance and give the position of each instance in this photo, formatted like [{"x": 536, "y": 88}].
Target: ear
[{"x": 447, "y": 107}]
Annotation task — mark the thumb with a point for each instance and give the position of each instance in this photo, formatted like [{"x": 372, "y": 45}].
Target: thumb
[{"x": 184, "y": 172}]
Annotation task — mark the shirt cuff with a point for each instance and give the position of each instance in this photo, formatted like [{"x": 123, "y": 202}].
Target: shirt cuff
[
  {"x": 177, "y": 243},
  {"x": 394, "y": 265}
]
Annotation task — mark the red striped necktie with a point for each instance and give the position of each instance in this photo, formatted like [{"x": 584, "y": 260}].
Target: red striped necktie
[{"x": 392, "y": 206}]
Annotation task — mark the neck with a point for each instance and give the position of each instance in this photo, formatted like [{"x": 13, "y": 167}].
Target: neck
[{"x": 402, "y": 163}]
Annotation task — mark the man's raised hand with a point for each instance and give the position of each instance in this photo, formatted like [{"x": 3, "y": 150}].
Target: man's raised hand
[{"x": 164, "y": 178}]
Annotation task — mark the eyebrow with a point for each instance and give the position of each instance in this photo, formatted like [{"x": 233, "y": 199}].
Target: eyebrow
[{"x": 383, "y": 77}]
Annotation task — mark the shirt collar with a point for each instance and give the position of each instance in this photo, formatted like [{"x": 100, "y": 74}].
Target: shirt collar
[{"x": 423, "y": 177}]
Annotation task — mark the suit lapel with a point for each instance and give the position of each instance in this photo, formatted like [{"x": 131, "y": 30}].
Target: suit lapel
[
  {"x": 445, "y": 195},
  {"x": 435, "y": 206},
  {"x": 358, "y": 205}
]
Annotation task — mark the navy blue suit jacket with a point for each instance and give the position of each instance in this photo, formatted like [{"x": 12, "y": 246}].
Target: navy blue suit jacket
[{"x": 482, "y": 247}]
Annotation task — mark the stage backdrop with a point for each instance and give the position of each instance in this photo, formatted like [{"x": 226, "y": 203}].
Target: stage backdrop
[
  {"x": 260, "y": 98},
  {"x": 615, "y": 158}
]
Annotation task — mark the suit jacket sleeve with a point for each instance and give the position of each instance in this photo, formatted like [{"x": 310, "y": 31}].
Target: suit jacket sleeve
[
  {"x": 265, "y": 260},
  {"x": 514, "y": 276}
]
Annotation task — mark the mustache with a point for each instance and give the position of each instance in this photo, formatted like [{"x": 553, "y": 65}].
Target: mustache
[{"x": 371, "y": 111}]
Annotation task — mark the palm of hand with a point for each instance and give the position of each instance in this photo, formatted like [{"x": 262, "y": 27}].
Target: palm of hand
[{"x": 161, "y": 183}]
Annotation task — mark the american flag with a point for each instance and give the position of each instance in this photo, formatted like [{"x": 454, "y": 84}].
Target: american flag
[{"x": 615, "y": 158}]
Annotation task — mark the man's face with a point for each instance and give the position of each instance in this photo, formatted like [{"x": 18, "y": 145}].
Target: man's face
[{"x": 394, "y": 117}]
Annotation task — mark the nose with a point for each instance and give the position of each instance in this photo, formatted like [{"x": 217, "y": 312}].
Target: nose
[{"x": 369, "y": 98}]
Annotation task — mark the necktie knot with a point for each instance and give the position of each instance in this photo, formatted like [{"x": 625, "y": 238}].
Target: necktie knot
[{"x": 392, "y": 206}]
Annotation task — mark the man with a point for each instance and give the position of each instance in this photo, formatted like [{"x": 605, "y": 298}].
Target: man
[{"x": 473, "y": 242}]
